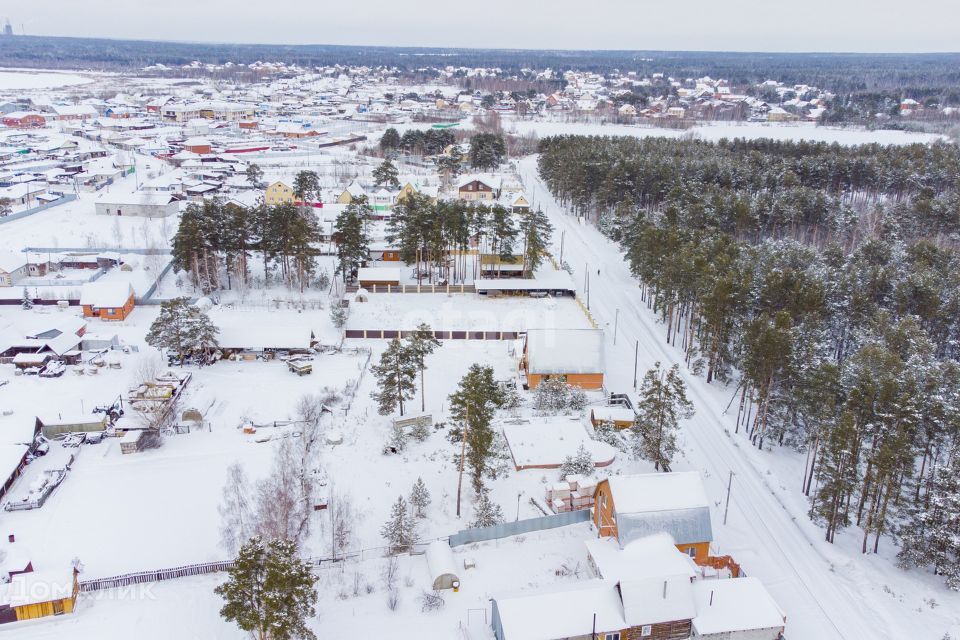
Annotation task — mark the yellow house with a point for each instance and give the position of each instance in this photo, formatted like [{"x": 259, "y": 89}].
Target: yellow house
[
  {"x": 38, "y": 594},
  {"x": 278, "y": 193}
]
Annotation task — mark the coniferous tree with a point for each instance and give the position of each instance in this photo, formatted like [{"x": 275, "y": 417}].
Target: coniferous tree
[
  {"x": 579, "y": 464},
  {"x": 473, "y": 405},
  {"x": 419, "y": 498},
  {"x": 254, "y": 175},
  {"x": 487, "y": 151},
  {"x": 535, "y": 231},
  {"x": 487, "y": 512},
  {"x": 396, "y": 374},
  {"x": 306, "y": 186},
  {"x": 400, "y": 530},
  {"x": 350, "y": 235},
  {"x": 270, "y": 592},
  {"x": 390, "y": 140},
  {"x": 662, "y": 404},
  {"x": 26, "y": 302},
  {"x": 386, "y": 175},
  {"x": 183, "y": 329},
  {"x": 931, "y": 535},
  {"x": 421, "y": 342}
]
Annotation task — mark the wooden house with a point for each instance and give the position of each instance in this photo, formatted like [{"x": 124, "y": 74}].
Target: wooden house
[
  {"x": 656, "y": 608},
  {"x": 575, "y": 354},
  {"x": 107, "y": 300},
  {"x": 38, "y": 594},
  {"x": 479, "y": 188},
  {"x": 631, "y": 507}
]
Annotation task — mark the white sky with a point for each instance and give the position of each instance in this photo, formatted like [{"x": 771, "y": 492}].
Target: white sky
[{"x": 718, "y": 25}]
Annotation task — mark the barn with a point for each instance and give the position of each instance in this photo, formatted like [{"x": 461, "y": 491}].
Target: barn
[
  {"x": 575, "y": 354},
  {"x": 38, "y": 594},
  {"x": 155, "y": 204}
]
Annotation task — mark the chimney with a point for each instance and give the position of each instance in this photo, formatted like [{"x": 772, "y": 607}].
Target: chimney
[
  {"x": 11, "y": 538},
  {"x": 664, "y": 589}
]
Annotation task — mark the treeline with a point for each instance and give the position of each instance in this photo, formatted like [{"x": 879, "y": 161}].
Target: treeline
[
  {"x": 824, "y": 283},
  {"x": 435, "y": 235},
  {"x": 217, "y": 240}
]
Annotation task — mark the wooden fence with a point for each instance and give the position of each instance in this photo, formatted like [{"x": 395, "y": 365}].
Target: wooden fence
[
  {"x": 414, "y": 288},
  {"x": 159, "y": 575},
  {"x": 390, "y": 334}
]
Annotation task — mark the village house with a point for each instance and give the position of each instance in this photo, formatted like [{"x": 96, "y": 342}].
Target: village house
[
  {"x": 631, "y": 507},
  {"x": 479, "y": 188},
  {"x": 24, "y": 119},
  {"x": 107, "y": 300},
  {"x": 13, "y": 268},
  {"x": 379, "y": 277},
  {"x": 278, "y": 193},
  {"x": 575, "y": 354}
]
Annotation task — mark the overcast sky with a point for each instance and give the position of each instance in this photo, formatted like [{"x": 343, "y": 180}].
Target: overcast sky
[{"x": 727, "y": 25}]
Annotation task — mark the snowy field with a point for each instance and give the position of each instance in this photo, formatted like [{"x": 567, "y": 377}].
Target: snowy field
[{"x": 33, "y": 79}]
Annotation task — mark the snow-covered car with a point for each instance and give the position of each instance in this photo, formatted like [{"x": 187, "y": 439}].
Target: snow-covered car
[
  {"x": 53, "y": 370},
  {"x": 31, "y": 371}
]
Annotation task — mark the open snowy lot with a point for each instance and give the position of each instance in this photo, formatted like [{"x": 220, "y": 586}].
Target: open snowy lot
[
  {"x": 33, "y": 79},
  {"x": 465, "y": 312}
]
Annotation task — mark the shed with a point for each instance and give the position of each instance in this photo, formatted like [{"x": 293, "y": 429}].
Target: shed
[
  {"x": 107, "y": 300},
  {"x": 52, "y": 426},
  {"x": 443, "y": 570},
  {"x": 736, "y": 609},
  {"x": 620, "y": 417},
  {"x": 38, "y": 594}
]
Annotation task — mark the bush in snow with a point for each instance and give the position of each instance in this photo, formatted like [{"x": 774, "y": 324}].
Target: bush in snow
[
  {"x": 431, "y": 601},
  {"x": 579, "y": 464},
  {"x": 551, "y": 395},
  {"x": 420, "y": 431},
  {"x": 577, "y": 400},
  {"x": 338, "y": 315}
]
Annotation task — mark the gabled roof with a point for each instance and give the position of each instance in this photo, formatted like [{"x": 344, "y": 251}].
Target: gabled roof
[{"x": 652, "y": 503}]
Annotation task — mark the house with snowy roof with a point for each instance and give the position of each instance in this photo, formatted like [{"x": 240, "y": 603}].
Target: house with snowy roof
[
  {"x": 575, "y": 354},
  {"x": 630, "y": 507},
  {"x": 107, "y": 300},
  {"x": 13, "y": 268}
]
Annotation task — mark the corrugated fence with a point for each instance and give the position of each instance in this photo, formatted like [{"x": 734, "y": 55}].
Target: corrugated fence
[{"x": 507, "y": 529}]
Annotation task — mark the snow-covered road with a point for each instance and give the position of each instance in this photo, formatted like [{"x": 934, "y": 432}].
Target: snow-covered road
[{"x": 762, "y": 534}]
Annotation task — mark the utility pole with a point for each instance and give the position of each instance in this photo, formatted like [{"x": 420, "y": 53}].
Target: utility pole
[
  {"x": 727, "y": 507},
  {"x": 563, "y": 233},
  {"x": 463, "y": 455},
  {"x": 616, "y": 321},
  {"x": 587, "y": 289},
  {"x": 636, "y": 354}
]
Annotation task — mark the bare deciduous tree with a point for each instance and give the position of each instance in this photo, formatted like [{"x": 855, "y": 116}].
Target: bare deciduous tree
[{"x": 237, "y": 523}]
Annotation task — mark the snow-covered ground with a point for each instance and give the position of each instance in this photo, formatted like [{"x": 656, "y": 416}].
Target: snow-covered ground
[
  {"x": 465, "y": 312},
  {"x": 827, "y": 591},
  {"x": 33, "y": 79}
]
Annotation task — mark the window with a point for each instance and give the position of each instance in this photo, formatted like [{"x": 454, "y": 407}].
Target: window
[
  {"x": 692, "y": 552},
  {"x": 612, "y": 636},
  {"x": 646, "y": 630}
]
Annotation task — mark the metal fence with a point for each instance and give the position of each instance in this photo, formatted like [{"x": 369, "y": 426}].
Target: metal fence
[
  {"x": 507, "y": 529},
  {"x": 43, "y": 207}
]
